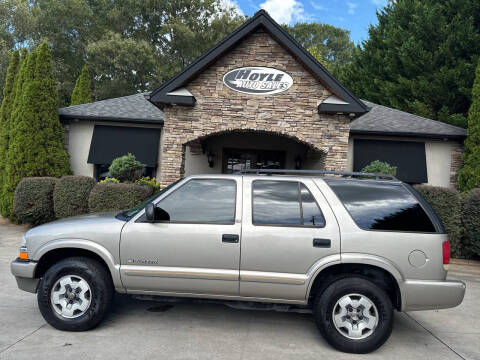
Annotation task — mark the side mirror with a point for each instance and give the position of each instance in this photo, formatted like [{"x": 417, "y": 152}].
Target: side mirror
[{"x": 150, "y": 212}]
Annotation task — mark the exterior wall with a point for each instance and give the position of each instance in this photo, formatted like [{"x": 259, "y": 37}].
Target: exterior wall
[
  {"x": 292, "y": 113},
  {"x": 441, "y": 156},
  {"x": 80, "y": 137}
]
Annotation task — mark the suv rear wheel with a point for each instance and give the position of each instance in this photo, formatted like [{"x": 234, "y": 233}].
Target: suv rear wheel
[
  {"x": 354, "y": 315},
  {"x": 75, "y": 294}
]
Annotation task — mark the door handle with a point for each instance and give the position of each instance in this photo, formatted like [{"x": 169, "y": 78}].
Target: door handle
[
  {"x": 230, "y": 238},
  {"x": 322, "y": 243}
]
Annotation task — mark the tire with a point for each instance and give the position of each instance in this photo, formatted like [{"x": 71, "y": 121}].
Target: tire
[
  {"x": 373, "y": 310},
  {"x": 90, "y": 290}
]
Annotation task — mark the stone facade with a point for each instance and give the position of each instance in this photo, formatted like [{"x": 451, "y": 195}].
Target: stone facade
[
  {"x": 456, "y": 162},
  {"x": 292, "y": 113}
]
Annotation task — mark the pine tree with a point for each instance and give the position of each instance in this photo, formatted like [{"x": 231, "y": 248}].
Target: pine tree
[
  {"x": 6, "y": 109},
  {"x": 469, "y": 174},
  {"x": 82, "y": 93},
  {"x": 37, "y": 141}
]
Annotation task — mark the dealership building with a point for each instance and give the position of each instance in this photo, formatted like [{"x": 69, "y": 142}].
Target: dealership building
[{"x": 257, "y": 99}]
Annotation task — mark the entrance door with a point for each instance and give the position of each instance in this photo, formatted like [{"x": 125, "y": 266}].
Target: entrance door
[
  {"x": 242, "y": 159},
  {"x": 197, "y": 251}
]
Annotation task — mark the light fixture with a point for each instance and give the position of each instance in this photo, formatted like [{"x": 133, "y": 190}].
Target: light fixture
[
  {"x": 298, "y": 162},
  {"x": 210, "y": 157}
]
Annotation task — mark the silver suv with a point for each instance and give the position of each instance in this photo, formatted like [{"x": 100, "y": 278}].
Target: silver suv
[{"x": 352, "y": 250}]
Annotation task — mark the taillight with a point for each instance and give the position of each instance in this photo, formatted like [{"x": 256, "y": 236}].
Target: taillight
[{"x": 446, "y": 252}]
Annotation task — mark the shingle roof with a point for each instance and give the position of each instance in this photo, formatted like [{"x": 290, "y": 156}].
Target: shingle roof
[
  {"x": 382, "y": 120},
  {"x": 133, "y": 108}
]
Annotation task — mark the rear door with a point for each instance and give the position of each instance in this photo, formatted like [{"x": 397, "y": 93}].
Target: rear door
[
  {"x": 197, "y": 251},
  {"x": 287, "y": 227}
]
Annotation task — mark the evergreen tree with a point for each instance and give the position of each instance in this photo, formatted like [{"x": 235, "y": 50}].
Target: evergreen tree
[
  {"x": 37, "y": 141},
  {"x": 469, "y": 174},
  {"x": 82, "y": 93},
  {"x": 420, "y": 57},
  {"x": 6, "y": 109}
]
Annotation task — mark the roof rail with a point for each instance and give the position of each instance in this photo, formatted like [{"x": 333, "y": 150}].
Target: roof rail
[{"x": 377, "y": 176}]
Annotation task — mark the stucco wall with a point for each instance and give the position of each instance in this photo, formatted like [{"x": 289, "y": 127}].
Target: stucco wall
[
  {"x": 438, "y": 154},
  {"x": 291, "y": 113},
  {"x": 79, "y": 140}
]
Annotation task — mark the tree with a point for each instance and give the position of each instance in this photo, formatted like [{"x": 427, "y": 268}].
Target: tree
[
  {"x": 82, "y": 94},
  {"x": 6, "y": 110},
  {"x": 330, "y": 45},
  {"x": 469, "y": 174},
  {"x": 380, "y": 167},
  {"x": 36, "y": 145},
  {"x": 420, "y": 58}
]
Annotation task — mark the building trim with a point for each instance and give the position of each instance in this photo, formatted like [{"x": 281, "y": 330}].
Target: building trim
[
  {"x": 408, "y": 134},
  {"x": 66, "y": 118}
]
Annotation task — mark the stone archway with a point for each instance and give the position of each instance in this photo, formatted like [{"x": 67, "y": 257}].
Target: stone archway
[{"x": 179, "y": 151}]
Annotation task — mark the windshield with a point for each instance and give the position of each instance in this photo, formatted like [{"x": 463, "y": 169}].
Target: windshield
[{"x": 134, "y": 211}]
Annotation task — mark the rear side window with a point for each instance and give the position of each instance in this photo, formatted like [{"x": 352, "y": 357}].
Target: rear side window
[
  {"x": 285, "y": 203},
  {"x": 382, "y": 206}
]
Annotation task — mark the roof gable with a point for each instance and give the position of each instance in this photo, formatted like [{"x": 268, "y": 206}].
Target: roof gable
[{"x": 165, "y": 93}]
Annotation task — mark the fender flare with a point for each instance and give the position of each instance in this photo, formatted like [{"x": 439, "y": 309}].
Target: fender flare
[{"x": 84, "y": 244}]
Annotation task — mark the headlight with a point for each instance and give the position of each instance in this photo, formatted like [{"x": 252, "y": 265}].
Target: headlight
[{"x": 23, "y": 250}]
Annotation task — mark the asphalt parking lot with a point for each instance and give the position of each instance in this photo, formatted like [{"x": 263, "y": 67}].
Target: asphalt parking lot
[{"x": 152, "y": 330}]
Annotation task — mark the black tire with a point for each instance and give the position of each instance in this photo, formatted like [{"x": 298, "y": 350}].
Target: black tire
[
  {"x": 324, "y": 304},
  {"x": 99, "y": 281}
]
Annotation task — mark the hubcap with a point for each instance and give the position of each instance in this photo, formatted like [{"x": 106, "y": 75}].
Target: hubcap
[
  {"x": 71, "y": 296},
  {"x": 355, "y": 316}
]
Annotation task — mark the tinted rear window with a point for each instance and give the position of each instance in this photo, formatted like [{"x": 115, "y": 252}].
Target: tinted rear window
[{"x": 382, "y": 206}]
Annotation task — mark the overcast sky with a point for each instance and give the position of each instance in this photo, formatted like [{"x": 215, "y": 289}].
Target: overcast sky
[{"x": 354, "y": 15}]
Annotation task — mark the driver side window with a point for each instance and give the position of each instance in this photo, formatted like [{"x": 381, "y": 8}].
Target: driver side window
[{"x": 202, "y": 201}]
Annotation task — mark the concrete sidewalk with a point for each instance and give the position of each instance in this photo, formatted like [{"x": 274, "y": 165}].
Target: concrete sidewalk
[{"x": 204, "y": 331}]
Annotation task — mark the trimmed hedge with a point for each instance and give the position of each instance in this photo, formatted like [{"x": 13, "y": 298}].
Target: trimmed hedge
[
  {"x": 33, "y": 200},
  {"x": 70, "y": 196},
  {"x": 115, "y": 197},
  {"x": 448, "y": 205},
  {"x": 471, "y": 222}
]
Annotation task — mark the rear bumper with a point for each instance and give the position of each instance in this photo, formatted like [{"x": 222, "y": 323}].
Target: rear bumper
[
  {"x": 430, "y": 295},
  {"x": 24, "y": 272}
]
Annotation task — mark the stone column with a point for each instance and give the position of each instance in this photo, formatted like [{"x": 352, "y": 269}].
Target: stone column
[{"x": 456, "y": 162}]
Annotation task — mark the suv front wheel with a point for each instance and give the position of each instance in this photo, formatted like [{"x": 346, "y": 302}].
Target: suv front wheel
[
  {"x": 75, "y": 294},
  {"x": 354, "y": 315}
]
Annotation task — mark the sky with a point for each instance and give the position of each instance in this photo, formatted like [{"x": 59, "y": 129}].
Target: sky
[{"x": 353, "y": 15}]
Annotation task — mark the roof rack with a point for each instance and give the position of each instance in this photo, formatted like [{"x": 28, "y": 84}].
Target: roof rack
[{"x": 377, "y": 176}]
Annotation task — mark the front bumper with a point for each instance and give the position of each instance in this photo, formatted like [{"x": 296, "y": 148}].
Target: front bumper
[
  {"x": 431, "y": 295},
  {"x": 24, "y": 272}
]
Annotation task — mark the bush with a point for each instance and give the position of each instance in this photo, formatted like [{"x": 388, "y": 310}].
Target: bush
[
  {"x": 109, "y": 180},
  {"x": 380, "y": 167},
  {"x": 115, "y": 197},
  {"x": 70, "y": 196},
  {"x": 33, "y": 200},
  {"x": 471, "y": 222},
  {"x": 447, "y": 203},
  {"x": 126, "y": 168},
  {"x": 147, "y": 180}
]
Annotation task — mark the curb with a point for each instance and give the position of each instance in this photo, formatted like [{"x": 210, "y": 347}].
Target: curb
[{"x": 465, "y": 262}]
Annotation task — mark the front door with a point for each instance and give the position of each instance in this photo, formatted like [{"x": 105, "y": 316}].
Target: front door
[
  {"x": 242, "y": 159},
  {"x": 288, "y": 227},
  {"x": 197, "y": 251}
]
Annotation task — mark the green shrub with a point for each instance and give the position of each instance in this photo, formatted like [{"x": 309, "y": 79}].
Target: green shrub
[
  {"x": 33, "y": 200},
  {"x": 109, "y": 180},
  {"x": 380, "y": 167},
  {"x": 126, "y": 168},
  {"x": 447, "y": 203},
  {"x": 147, "y": 180},
  {"x": 115, "y": 197},
  {"x": 71, "y": 194},
  {"x": 471, "y": 222}
]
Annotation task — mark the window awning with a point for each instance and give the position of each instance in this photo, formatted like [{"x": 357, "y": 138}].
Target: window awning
[
  {"x": 110, "y": 142},
  {"x": 408, "y": 156}
]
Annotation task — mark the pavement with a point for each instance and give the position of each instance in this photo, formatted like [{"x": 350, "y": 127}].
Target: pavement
[{"x": 144, "y": 329}]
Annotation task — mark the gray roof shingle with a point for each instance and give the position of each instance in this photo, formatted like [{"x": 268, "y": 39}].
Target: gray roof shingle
[
  {"x": 133, "y": 108},
  {"x": 384, "y": 120}
]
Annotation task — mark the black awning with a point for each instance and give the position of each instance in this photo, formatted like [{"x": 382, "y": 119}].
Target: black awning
[
  {"x": 110, "y": 142},
  {"x": 408, "y": 156}
]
